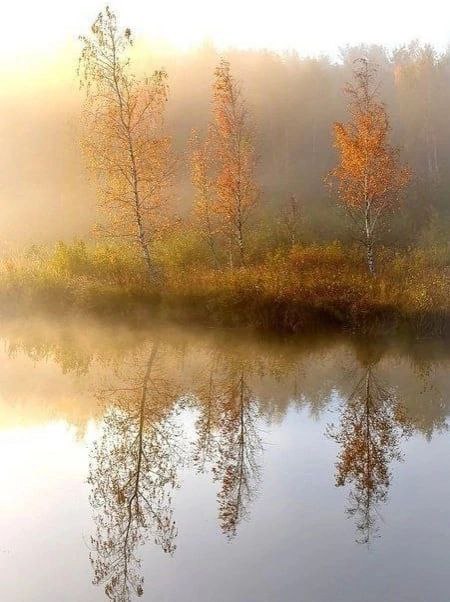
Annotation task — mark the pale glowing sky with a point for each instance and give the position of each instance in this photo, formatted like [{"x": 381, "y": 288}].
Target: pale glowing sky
[{"x": 40, "y": 28}]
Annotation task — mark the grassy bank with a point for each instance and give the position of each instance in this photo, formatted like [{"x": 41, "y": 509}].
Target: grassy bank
[{"x": 304, "y": 288}]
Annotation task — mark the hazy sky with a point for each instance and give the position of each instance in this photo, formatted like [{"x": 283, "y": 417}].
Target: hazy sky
[{"x": 39, "y": 28}]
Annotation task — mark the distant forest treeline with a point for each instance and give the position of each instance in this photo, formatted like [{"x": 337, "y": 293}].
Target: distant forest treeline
[{"x": 294, "y": 102}]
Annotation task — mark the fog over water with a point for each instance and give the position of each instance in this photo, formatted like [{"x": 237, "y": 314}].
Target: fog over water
[
  {"x": 162, "y": 436},
  {"x": 209, "y": 465}
]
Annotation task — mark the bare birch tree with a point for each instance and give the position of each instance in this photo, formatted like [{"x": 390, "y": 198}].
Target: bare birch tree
[{"x": 125, "y": 141}]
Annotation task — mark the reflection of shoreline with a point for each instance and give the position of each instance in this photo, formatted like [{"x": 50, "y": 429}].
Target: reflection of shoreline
[
  {"x": 34, "y": 393},
  {"x": 50, "y": 371},
  {"x": 134, "y": 388}
]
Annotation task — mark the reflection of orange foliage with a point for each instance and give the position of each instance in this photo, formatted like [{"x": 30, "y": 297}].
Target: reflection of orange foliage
[
  {"x": 227, "y": 437},
  {"x": 371, "y": 425},
  {"x": 239, "y": 444}
]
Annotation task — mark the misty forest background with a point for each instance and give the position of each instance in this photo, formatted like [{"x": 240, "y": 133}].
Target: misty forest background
[
  {"x": 51, "y": 258},
  {"x": 293, "y": 101}
]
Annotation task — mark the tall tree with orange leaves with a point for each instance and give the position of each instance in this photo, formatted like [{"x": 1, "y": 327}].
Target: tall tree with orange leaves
[
  {"x": 232, "y": 159},
  {"x": 205, "y": 205},
  {"x": 369, "y": 178},
  {"x": 125, "y": 140}
]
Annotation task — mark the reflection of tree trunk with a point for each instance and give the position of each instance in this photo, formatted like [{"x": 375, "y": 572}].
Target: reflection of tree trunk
[
  {"x": 236, "y": 463},
  {"x": 227, "y": 437},
  {"x": 140, "y": 451},
  {"x": 209, "y": 411},
  {"x": 132, "y": 473},
  {"x": 368, "y": 477},
  {"x": 368, "y": 437},
  {"x": 205, "y": 447},
  {"x": 241, "y": 458}
]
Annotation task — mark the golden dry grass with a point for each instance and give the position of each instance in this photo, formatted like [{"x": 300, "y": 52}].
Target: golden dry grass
[{"x": 307, "y": 287}]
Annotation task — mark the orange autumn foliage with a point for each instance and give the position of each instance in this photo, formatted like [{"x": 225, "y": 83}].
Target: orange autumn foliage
[
  {"x": 369, "y": 178},
  {"x": 223, "y": 169}
]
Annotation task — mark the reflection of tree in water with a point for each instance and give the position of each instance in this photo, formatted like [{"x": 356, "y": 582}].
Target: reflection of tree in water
[
  {"x": 132, "y": 475},
  {"x": 207, "y": 393},
  {"x": 371, "y": 425},
  {"x": 227, "y": 437},
  {"x": 133, "y": 468},
  {"x": 239, "y": 443}
]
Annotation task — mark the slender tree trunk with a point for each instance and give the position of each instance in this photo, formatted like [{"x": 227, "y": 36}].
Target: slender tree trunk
[
  {"x": 240, "y": 241},
  {"x": 142, "y": 243},
  {"x": 148, "y": 260},
  {"x": 293, "y": 241},
  {"x": 369, "y": 242},
  {"x": 126, "y": 124},
  {"x": 211, "y": 241},
  {"x": 230, "y": 253},
  {"x": 371, "y": 258},
  {"x": 138, "y": 212},
  {"x": 212, "y": 247}
]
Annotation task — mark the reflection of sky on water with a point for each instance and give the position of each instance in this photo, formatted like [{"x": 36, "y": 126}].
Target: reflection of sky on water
[{"x": 292, "y": 537}]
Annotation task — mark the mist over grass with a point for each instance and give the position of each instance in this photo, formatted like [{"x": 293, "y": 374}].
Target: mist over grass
[
  {"x": 321, "y": 281},
  {"x": 302, "y": 289}
]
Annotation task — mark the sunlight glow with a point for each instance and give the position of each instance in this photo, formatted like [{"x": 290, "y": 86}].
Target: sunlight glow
[{"x": 34, "y": 29}]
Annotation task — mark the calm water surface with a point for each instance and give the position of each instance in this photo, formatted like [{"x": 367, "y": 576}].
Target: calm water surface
[{"x": 181, "y": 465}]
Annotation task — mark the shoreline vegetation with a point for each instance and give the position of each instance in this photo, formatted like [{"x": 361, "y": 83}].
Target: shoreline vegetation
[
  {"x": 233, "y": 258},
  {"x": 296, "y": 290}
]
